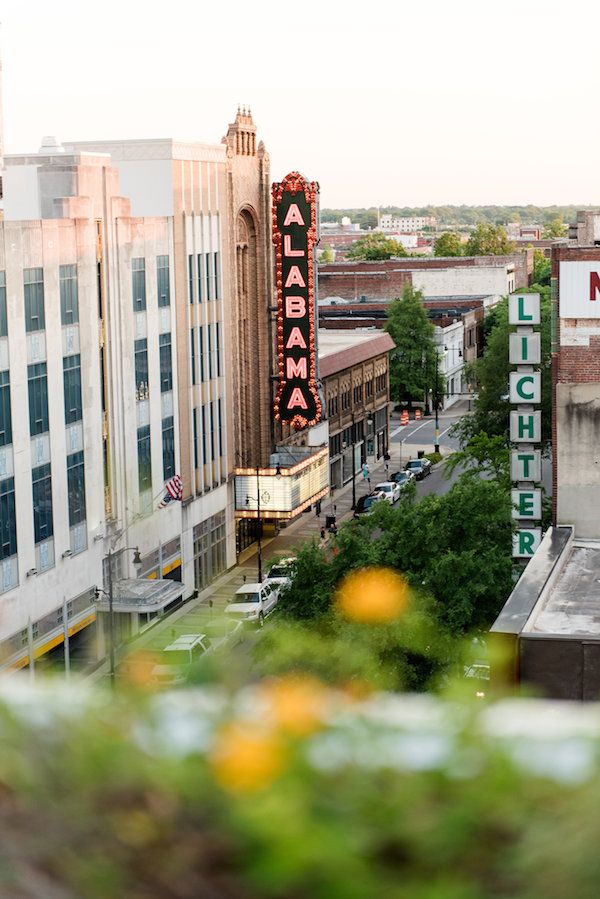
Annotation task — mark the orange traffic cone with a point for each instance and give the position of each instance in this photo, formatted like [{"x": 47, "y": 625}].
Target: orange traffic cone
[
  {"x": 417, "y": 414},
  {"x": 404, "y": 417}
]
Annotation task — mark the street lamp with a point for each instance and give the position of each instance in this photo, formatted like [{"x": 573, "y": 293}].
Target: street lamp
[
  {"x": 111, "y": 612},
  {"x": 353, "y": 444},
  {"x": 266, "y": 497}
]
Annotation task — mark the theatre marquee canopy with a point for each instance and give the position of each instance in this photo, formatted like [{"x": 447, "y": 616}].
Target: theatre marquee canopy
[{"x": 280, "y": 491}]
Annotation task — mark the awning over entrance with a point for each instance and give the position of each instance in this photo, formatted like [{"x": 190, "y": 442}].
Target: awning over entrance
[
  {"x": 297, "y": 478},
  {"x": 142, "y": 595}
]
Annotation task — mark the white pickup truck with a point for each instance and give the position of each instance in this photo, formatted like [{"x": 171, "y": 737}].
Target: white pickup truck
[{"x": 253, "y": 603}]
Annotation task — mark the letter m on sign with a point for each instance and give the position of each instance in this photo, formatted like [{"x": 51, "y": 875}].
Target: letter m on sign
[{"x": 594, "y": 285}]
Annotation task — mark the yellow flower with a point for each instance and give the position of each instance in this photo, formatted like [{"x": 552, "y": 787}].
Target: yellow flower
[
  {"x": 136, "y": 669},
  {"x": 296, "y": 703},
  {"x": 246, "y": 758},
  {"x": 373, "y": 595}
]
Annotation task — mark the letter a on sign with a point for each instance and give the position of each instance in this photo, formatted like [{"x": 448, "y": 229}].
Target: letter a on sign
[
  {"x": 594, "y": 285},
  {"x": 293, "y": 215},
  {"x": 297, "y": 399}
]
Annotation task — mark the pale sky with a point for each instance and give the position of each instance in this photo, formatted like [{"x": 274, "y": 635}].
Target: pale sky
[{"x": 405, "y": 103}]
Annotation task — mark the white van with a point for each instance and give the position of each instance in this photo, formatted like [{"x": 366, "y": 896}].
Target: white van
[
  {"x": 253, "y": 602},
  {"x": 177, "y": 657}
]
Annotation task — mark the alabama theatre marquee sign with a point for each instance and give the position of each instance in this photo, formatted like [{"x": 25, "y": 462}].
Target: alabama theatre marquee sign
[{"x": 295, "y": 234}]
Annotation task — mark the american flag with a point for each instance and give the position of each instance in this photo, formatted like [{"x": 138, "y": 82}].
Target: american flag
[{"x": 174, "y": 490}]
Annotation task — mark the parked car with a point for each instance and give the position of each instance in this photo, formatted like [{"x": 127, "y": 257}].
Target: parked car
[
  {"x": 177, "y": 657},
  {"x": 402, "y": 478},
  {"x": 390, "y": 490},
  {"x": 365, "y": 504},
  {"x": 252, "y": 603},
  {"x": 280, "y": 575},
  {"x": 419, "y": 467},
  {"x": 224, "y": 632}
]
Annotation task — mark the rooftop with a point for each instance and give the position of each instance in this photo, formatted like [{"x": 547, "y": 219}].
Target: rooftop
[
  {"x": 572, "y": 605},
  {"x": 342, "y": 349}
]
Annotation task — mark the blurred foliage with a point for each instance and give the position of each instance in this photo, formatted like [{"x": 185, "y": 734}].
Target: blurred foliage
[{"x": 291, "y": 790}]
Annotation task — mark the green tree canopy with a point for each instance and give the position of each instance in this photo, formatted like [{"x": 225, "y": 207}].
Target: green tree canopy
[
  {"x": 541, "y": 269},
  {"x": 554, "y": 228},
  {"x": 488, "y": 240},
  {"x": 412, "y": 363},
  {"x": 454, "y": 549},
  {"x": 375, "y": 245},
  {"x": 448, "y": 244},
  {"x": 326, "y": 253}
]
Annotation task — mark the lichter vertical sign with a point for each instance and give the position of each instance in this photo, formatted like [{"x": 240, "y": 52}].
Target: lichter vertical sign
[
  {"x": 294, "y": 235},
  {"x": 525, "y": 422}
]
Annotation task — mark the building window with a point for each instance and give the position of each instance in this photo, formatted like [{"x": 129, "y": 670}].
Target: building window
[
  {"x": 358, "y": 394},
  {"x": 166, "y": 363},
  {"x": 76, "y": 488},
  {"x": 42, "y": 503},
  {"x": 217, "y": 278},
  {"x": 72, "y": 388},
  {"x": 220, "y": 422},
  {"x": 69, "y": 301},
  {"x": 162, "y": 281},
  {"x": 193, "y": 354},
  {"x": 37, "y": 382},
  {"x": 203, "y": 432},
  {"x": 8, "y": 521},
  {"x": 191, "y": 278},
  {"x": 201, "y": 345},
  {"x": 5, "y": 416},
  {"x": 208, "y": 274},
  {"x": 34, "y": 299},
  {"x": 196, "y": 438},
  {"x": 138, "y": 284},
  {"x": 141, "y": 368},
  {"x": 168, "y": 448},
  {"x": 3, "y": 316},
  {"x": 200, "y": 276},
  {"x": 369, "y": 388},
  {"x": 218, "y": 348},
  {"x": 335, "y": 445},
  {"x": 209, "y": 352},
  {"x": 212, "y": 432},
  {"x": 144, "y": 460},
  {"x": 210, "y": 550}
]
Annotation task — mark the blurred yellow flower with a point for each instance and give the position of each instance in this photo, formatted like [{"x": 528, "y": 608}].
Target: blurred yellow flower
[
  {"x": 373, "y": 595},
  {"x": 136, "y": 669},
  {"x": 296, "y": 703},
  {"x": 246, "y": 758}
]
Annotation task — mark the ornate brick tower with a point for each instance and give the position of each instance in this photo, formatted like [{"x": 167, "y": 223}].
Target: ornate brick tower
[{"x": 251, "y": 260}]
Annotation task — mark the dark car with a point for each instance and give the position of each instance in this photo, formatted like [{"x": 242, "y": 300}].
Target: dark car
[
  {"x": 419, "y": 467},
  {"x": 365, "y": 504}
]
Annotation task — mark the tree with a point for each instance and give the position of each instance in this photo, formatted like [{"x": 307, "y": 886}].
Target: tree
[
  {"x": 554, "y": 228},
  {"x": 412, "y": 363},
  {"x": 375, "y": 246},
  {"x": 448, "y": 244},
  {"x": 454, "y": 550},
  {"x": 541, "y": 269},
  {"x": 489, "y": 240},
  {"x": 326, "y": 253}
]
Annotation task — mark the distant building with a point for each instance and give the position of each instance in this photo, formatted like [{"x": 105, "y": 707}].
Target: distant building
[
  {"x": 405, "y": 224},
  {"x": 585, "y": 231}
]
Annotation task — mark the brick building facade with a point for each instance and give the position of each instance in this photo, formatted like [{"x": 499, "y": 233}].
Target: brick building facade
[{"x": 355, "y": 374}]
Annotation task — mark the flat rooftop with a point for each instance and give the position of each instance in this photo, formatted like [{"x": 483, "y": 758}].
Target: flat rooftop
[{"x": 572, "y": 604}]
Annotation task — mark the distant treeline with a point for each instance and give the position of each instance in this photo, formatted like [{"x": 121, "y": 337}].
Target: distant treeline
[{"x": 461, "y": 216}]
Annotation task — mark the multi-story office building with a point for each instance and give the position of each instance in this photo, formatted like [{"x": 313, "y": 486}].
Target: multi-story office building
[{"x": 134, "y": 345}]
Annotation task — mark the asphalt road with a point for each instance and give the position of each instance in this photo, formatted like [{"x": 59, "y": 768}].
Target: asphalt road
[{"x": 423, "y": 432}]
